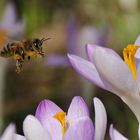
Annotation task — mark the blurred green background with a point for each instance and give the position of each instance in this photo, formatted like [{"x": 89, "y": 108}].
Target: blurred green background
[{"x": 67, "y": 22}]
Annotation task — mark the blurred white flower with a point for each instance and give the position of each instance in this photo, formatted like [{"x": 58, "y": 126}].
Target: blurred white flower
[
  {"x": 9, "y": 29},
  {"x": 9, "y": 26},
  {"x": 10, "y": 134}
]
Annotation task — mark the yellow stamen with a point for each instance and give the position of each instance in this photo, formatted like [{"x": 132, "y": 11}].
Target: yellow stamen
[
  {"x": 3, "y": 37},
  {"x": 61, "y": 117},
  {"x": 129, "y": 54}
]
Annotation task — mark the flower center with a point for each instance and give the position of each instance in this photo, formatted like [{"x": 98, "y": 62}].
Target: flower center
[
  {"x": 61, "y": 117},
  {"x": 3, "y": 37},
  {"x": 129, "y": 58}
]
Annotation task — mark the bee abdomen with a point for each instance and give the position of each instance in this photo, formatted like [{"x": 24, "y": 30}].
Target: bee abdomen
[{"x": 6, "y": 51}]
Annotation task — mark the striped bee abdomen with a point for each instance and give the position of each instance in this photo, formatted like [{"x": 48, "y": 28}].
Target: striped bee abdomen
[{"x": 7, "y": 51}]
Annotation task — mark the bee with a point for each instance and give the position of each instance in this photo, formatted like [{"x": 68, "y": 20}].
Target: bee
[{"x": 22, "y": 50}]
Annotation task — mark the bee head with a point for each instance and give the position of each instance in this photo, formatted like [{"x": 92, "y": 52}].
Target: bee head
[{"x": 37, "y": 45}]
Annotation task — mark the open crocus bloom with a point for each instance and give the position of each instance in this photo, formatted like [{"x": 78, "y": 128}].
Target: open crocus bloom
[
  {"x": 52, "y": 123},
  {"x": 108, "y": 70}
]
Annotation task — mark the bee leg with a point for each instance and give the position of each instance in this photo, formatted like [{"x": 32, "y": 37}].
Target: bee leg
[
  {"x": 23, "y": 57},
  {"x": 29, "y": 58},
  {"x": 42, "y": 54},
  {"x": 19, "y": 63},
  {"x": 21, "y": 53}
]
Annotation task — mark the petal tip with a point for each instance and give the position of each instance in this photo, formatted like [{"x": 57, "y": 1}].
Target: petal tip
[{"x": 137, "y": 41}]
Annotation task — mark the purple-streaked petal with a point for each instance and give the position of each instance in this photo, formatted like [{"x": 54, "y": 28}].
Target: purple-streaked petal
[
  {"x": 54, "y": 127},
  {"x": 115, "y": 135},
  {"x": 57, "y": 61},
  {"x": 89, "y": 71},
  {"x": 77, "y": 109},
  {"x": 115, "y": 72},
  {"x": 82, "y": 130},
  {"x": 9, "y": 17},
  {"x": 8, "y": 133},
  {"x": 33, "y": 129},
  {"x": 46, "y": 109},
  {"x": 91, "y": 48},
  {"x": 19, "y": 137},
  {"x": 137, "y": 42},
  {"x": 100, "y": 120},
  {"x": 86, "y": 69},
  {"x": 44, "y": 113}
]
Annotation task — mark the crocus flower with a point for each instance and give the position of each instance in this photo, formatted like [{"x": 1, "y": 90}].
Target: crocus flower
[
  {"x": 108, "y": 70},
  {"x": 52, "y": 123}
]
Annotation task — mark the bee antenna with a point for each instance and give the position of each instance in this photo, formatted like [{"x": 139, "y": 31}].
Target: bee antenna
[{"x": 44, "y": 39}]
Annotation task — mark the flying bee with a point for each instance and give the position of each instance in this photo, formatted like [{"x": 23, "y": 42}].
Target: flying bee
[{"x": 20, "y": 50}]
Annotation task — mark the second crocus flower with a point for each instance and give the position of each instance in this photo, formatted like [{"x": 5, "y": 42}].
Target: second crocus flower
[
  {"x": 108, "y": 70},
  {"x": 52, "y": 123}
]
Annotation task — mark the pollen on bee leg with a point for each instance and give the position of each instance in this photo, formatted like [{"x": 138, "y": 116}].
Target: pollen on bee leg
[
  {"x": 129, "y": 58},
  {"x": 3, "y": 37},
  {"x": 17, "y": 56},
  {"x": 61, "y": 117}
]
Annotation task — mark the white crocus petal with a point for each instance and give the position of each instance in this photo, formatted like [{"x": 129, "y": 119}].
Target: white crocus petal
[
  {"x": 91, "y": 48},
  {"x": 19, "y": 137},
  {"x": 116, "y": 72},
  {"x": 8, "y": 133},
  {"x": 100, "y": 120},
  {"x": 137, "y": 42},
  {"x": 77, "y": 109},
  {"x": 115, "y": 135},
  {"x": 33, "y": 130},
  {"x": 137, "y": 54},
  {"x": 138, "y": 73}
]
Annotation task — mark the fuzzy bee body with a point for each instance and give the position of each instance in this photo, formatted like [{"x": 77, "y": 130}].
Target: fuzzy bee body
[{"x": 20, "y": 50}]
